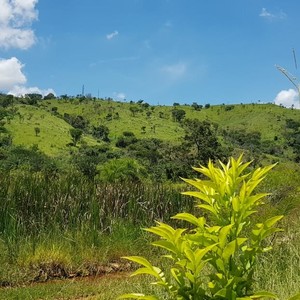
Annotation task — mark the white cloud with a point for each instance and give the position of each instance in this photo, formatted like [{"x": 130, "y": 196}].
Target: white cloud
[
  {"x": 23, "y": 90},
  {"x": 110, "y": 36},
  {"x": 16, "y": 38},
  {"x": 288, "y": 98},
  {"x": 119, "y": 96},
  {"x": 13, "y": 80},
  {"x": 271, "y": 16},
  {"x": 175, "y": 71},
  {"x": 16, "y": 17},
  {"x": 11, "y": 73}
]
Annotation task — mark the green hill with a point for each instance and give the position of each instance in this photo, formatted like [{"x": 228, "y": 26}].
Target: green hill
[{"x": 145, "y": 122}]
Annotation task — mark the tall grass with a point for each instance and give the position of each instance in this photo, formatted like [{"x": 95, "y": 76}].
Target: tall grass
[
  {"x": 70, "y": 220},
  {"x": 32, "y": 203}
]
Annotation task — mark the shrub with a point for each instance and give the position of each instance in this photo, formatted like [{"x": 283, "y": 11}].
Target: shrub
[
  {"x": 225, "y": 243},
  {"x": 121, "y": 170}
]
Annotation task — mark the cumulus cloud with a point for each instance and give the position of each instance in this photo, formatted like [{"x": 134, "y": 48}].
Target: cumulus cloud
[
  {"x": 16, "y": 18},
  {"x": 175, "y": 71},
  {"x": 110, "y": 36},
  {"x": 23, "y": 90},
  {"x": 13, "y": 80},
  {"x": 288, "y": 98},
  {"x": 11, "y": 73},
  {"x": 271, "y": 16},
  {"x": 119, "y": 96}
]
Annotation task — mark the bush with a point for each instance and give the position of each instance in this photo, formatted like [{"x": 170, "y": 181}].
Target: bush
[
  {"x": 225, "y": 240},
  {"x": 121, "y": 170}
]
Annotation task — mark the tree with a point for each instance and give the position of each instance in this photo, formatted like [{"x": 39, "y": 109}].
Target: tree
[
  {"x": 37, "y": 131},
  {"x": 101, "y": 132},
  {"x": 126, "y": 139},
  {"x": 196, "y": 106},
  {"x": 18, "y": 157},
  {"x": 6, "y": 100},
  {"x": 87, "y": 158},
  {"x": 202, "y": 136},
  {"x": 178, "y": 114},
  {"x": 146, "y": 149},
  {"x": 76, "y": 135},
  {"x": 33, "y": 98},
  {"x": 244, "y": 139},
  {"x": 77, "y": 121},
  {"x": 134, "y": 110},
  {"x": 54, "y": 109},
  {"x": 49, "y": 96}
]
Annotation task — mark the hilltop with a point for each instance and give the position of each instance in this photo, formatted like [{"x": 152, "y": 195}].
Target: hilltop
[
  {"x": 143, "y": 120},
  {"x": 105, "y": 136}
]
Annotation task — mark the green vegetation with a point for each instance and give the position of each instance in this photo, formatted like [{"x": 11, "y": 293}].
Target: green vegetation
[
  {"x": 225, "y": 244},
  {"x": 80, "y": 177}
]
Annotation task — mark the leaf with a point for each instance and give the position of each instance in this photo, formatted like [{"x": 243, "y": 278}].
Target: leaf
[
  {"x": 220, "y": 264},
  {"x": 140, "y": 260},
  {"x": 213, "y": 229},
  {"x": 149, "y": 269},
  {"x": 163, "y": 230},
  {"x": 231, "y": 247},
  {"x": 221, "y": 293},
  {"x": 262, "y": 294},
  {"x": 190, "y": 255},
  {"x": 165, "y": 245},
  {"x": 199, "y": 222},
  {"x": 270, "y": 222},
  {"x": 175, "y": 273},
  {"x": 236, "y": 203},
  {"x": 209, "y": 208},
  {"x": 223, "y": 235},
  {"x": 153, "y": 272},
  {"x": 199, "y": 195},
  {"x": 252, "y": 201}
]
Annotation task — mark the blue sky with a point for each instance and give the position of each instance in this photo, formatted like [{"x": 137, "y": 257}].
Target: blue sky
[{"x": 161, "y": 51}]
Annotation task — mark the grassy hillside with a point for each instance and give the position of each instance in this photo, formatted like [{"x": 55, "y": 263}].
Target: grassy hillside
[{"x": 145, "y": 122}]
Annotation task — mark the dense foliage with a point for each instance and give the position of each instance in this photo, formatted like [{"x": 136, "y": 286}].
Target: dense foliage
[{"x": 215, "y": 256}]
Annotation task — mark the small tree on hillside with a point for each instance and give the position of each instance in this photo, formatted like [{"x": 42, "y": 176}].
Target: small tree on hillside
[
  {"x": 76, "y": 135},
  {"x": 178, "y": 115},
  {"x": 101, "y": 132},
  {"x": 134, "y": 110},
  {"x": 37, "y": 131},
  {"x": 201, "y": 135}
]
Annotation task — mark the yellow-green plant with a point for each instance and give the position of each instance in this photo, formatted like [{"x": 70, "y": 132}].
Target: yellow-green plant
[{"x": 214, "y": 257}]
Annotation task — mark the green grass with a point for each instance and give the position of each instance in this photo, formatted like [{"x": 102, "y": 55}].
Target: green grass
[
  {"x": 108, "y": 287},
  {"x": 277, "y": 271},
  {"x": 54, "y": 132},
  {"x": 71, "y": 223},
  {"x": 268, "y": 119}
]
